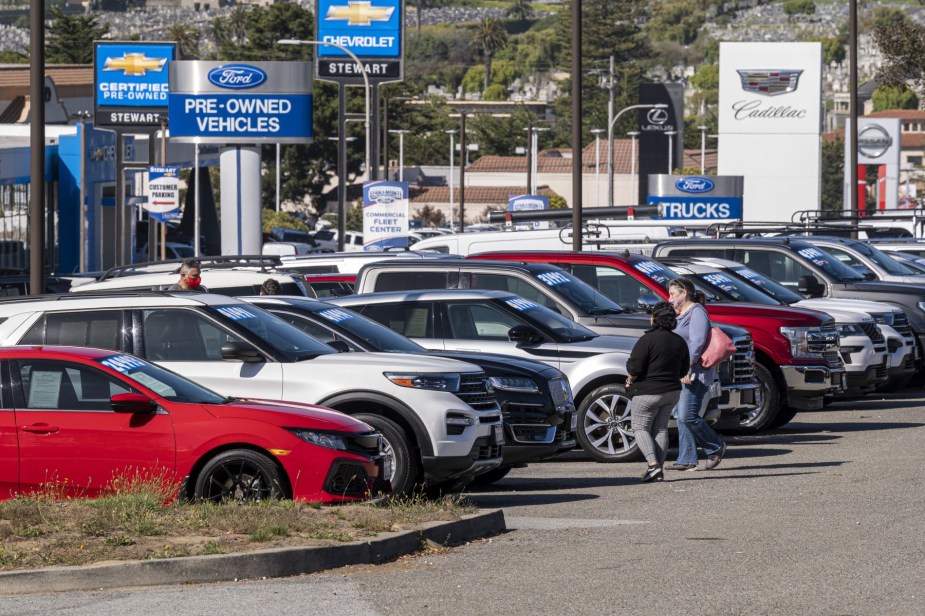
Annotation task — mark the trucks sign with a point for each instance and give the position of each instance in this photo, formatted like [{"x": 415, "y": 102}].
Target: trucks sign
[
  {"x": 130, "y": 82},
  {"x": 261, "y": 102}
]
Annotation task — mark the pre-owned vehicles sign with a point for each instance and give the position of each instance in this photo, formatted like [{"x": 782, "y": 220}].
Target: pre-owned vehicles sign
[{"x": 240, "y": 102}]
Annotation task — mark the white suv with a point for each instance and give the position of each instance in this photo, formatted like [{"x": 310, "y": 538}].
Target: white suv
[{"x": 438, "y": 417}]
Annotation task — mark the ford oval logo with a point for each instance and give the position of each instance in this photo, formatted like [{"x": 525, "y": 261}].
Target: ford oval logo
[
  {"x": 237, "y": 76},
  {"x": 694, "y": 185}
]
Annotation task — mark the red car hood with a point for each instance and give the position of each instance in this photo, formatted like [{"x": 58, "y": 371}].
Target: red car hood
[
  {"x": 795, "y": 316},
  {"x": 289, "y": 414}
]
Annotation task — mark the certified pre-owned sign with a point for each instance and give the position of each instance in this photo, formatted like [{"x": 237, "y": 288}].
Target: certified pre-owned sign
[
  {"x": 130, "y": 82},
  {"x": 261, "y": 102}
]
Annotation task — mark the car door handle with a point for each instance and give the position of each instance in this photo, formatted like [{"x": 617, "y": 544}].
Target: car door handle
[{"x": 40, "y": 429}]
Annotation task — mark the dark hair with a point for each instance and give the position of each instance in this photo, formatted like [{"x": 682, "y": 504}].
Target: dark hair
[
  {"x": 686, "y": 285},
  {"x": 270, "y": 287},
  {"x": 663, "y": 316},
  {"x": 189, "y": 264}
]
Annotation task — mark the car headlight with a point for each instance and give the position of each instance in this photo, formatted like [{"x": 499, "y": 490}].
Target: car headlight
[
  {"x": 849, "y": 329},
  {"x": 809, "y": 342},
  {"x": 519, "y": 384},
  {"x": 436, "y": 381},
  {"x": 884, "y": 318},
  {"x": 321, "y": 439},
  {"x": 561, "y": 392},
  {"x": 921, "y": 306}
]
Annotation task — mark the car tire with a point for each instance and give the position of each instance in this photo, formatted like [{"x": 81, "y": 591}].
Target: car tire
[
  {"x": 405, "y": 465},
  {"x": 895, "y": 384},
  {"x": 784, "y": 416},
  {"x": 492, "y": 476},
  {"x": 604, "y": 425},
  {"x": 769, "y": 405},
  {"x": 239, "y": 475}
]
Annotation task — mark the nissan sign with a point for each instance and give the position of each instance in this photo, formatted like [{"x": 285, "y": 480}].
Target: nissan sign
[{"x": 873, "y": 141}]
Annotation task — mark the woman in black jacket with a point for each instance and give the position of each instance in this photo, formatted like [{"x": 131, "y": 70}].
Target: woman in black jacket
[{"x": 658, "y": 362}]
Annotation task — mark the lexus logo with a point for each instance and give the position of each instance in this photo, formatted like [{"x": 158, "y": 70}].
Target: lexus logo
[{"x": 657, "y": 116}]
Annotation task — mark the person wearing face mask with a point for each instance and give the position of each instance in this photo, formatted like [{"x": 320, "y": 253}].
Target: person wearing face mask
[
  {"x": 658, "y": 361},
  {"x": 694, "y": 326},
  {"x": 190, "y": 278}
]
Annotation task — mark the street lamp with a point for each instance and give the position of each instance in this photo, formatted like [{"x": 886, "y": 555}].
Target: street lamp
[
  {"x": 452, "y": 134},
  {"x": 634, "y": 190},
  {"x": 670, "y": 134},
  {"x": 597, "y": 162},
  {"x": 401, "y": 152},
  {"x": 387, "y": 100},
  {"x": 533, "y": 166},
  {"x": 703, "y": 149},
  {"x": 610, "y": 142},
  {"x": 362, "y": 72},
  {"x": 82, "y": 117}
]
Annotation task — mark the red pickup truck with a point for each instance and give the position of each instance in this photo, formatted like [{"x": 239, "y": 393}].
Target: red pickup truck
[{"x": 797, "y": 362}]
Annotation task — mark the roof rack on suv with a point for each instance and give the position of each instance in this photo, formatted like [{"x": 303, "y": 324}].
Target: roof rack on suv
[
  {"x": 170, "y": 265},
  {"x": 53, "y": 297},
  {"x": 758, "y": 228}
]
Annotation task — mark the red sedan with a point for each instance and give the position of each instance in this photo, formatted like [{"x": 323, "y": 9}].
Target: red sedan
[{"x": 78, "y": 418}]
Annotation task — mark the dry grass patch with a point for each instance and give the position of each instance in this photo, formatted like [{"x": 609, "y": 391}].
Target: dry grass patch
[{"x": 139, "y": 518}]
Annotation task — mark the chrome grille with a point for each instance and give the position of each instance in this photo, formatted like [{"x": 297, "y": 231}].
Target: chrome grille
[
  {"x": 882, "y": 372},
  {"x": 873, "y": 332},
  {"x": 823, "y": 341},
  {"x": 901, "y": 324},
  {"x": 833, "y": 359},
  {"x": 742, "y": 362},
  {"x": 473, "y": 390}
]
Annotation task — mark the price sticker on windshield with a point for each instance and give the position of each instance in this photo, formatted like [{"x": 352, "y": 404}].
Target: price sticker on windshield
[
  {"x": 235, "y": 313},
  {"x": 335, "y": 316},
  {"x": 722, "y": 281},
  {"x": 123, "y": 363},
  {"x": 752, "y": 276},
  {"x": 553, "y": 278},
  {"x": 654, "y": 270},
  {"x": 520, "y": 304},
  {"x": 813, "y": 254}
]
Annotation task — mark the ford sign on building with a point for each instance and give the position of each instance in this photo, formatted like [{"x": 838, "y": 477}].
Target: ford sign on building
[
  {"x": 228, "y": 103},
  {"x": 696, "y": 197}
]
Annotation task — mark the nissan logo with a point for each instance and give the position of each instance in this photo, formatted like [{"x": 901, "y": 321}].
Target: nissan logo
[
  {"x": 657, "y": 116},
  {"x": 873, "y": 141}
]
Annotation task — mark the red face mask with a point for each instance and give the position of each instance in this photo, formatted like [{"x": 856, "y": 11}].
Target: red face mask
[{"x": 193, "y": 283}]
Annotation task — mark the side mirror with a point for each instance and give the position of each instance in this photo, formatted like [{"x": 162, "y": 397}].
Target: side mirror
[
  {"x": 241, "y": 351},
  {"x": 132, "y": 403},
  {"x": 646, "y": 303},
  {"x": 524, "y": 334},
  {"x": 340, "y": 346},
  {"x": 810, "y": 286}
]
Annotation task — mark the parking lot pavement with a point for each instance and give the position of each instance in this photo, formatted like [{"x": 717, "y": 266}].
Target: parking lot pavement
[{"x": 821, "y": 517}]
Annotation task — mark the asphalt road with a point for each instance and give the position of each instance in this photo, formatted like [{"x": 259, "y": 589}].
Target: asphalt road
[{"x": 824, "y": 516}]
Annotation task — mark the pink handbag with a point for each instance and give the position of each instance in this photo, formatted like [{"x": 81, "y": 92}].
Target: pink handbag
[{"x": 719, "y": 348}]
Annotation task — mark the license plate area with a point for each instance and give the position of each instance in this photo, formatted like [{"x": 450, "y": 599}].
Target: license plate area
[{"x": 498, "y": 434}]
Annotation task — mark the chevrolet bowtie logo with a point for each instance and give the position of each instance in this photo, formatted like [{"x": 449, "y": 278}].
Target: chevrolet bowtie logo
[
  {"x": 135, "y": 64},
  {"x": 360, "y": 13}
]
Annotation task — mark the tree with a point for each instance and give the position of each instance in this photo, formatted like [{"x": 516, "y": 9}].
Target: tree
[
  {"x": 430, "y": 216},
  {"x": 798, "y": 7},
  {"x": 894, "y": 97},
  {"x": 490, "y": 36},
  {"x": 520, "y": 10},
  {"x": 903, "y": 48},
  {"x": 13, "y": 57},
  {"x": 70, "y": 37},
  {"x": 833, "y": 49},
  {"x": 186, "y": 36},
  {"x": 887, "y": 17},
  {"x": 833, "y": 175}
]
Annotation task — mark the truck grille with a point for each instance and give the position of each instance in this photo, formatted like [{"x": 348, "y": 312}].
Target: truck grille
[
  {"x": 873, "y": 332},
  {"x": 473, "y": 390},
  {"x": 833, "y": 360},
  {"x": 901, "y": 324},
  {"x": 742, "y": 362}
]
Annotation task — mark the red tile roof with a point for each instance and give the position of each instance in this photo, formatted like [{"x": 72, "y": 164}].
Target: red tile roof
[
  {"x": 485, "y": 195},
  {"x": 902, "y": 114}
]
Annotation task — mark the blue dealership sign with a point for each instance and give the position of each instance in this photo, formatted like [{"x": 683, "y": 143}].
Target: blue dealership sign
[
  {"x": 131, "y": 82},
  {"x": 698, "y": 208},
  {"x": 259, "y": 102},
  {"x": 372, "y": 30}
]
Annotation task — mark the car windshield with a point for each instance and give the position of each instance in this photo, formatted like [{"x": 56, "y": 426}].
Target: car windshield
[
  {"x": 167, "y": 384},
  {"x": 546, "y": 320},
  {"x": 656, "y": 271},
  {"x": 829, "y": 264},
  {"x": 890, "y": 265},
  {"x": 292, "y": 342},
  {"x": 368, "y": 333},
  {"x": 578, "y": 292},
  {"x": 771, "y": 287},
  {"x": 729, "y": 287}
]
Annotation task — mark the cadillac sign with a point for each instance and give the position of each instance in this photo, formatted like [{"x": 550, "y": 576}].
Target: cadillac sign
[{"x": 770, "y": 82}]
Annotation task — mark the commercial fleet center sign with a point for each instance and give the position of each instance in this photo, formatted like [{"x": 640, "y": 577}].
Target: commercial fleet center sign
[
  {"x": 770, "y": 122},
  {"x": 238, "y": 102}
]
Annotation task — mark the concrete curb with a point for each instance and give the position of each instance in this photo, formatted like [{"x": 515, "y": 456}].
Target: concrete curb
[{"x": 280, "y": 562}]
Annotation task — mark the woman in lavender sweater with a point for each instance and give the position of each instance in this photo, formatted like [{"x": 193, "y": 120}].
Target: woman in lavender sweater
[{"x": 694, "y": 327}]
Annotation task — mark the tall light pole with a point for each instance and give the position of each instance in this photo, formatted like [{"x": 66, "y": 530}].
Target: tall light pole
[
  {"x": 597, "y": 163},
  {"x": 703, "y": 149},
  {"x": 610, "y": 139},
  {"x": 634, "y": 190},
  {"x": 670, "y": 134},
  {"x": 452, "y": 134},
  {"x": 385, "y": 127},
  {"x": 534, "y": 159},
  {"x": 401, "y": 152}
]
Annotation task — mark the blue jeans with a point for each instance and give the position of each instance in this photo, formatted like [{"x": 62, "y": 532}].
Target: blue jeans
[{"x": 692, "y": 429}]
